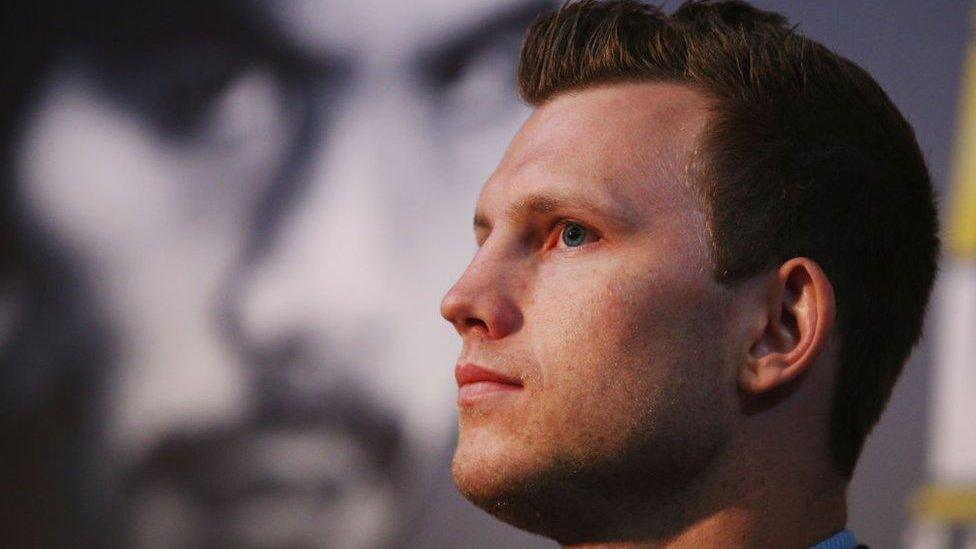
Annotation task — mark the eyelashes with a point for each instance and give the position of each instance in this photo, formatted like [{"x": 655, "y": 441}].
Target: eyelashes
[
  {"x": 564, "y": 235},
  {"x": 570, "y": 234}
]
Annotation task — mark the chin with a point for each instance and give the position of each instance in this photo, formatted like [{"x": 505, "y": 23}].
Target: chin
[
  {"x": 531, "y": 488},
  {"x": 483, "y": 465},
  {"x": 568, "y": 493}
]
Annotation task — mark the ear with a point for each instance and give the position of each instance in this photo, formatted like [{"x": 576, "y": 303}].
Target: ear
[{"x": 799, "y": 319}]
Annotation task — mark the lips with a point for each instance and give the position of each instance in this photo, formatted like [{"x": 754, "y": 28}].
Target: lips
[{"x": 476, "y": 383}]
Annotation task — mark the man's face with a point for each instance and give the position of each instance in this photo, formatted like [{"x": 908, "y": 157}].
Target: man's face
[
  {"x": 591, "y": 292},
  {"x": 295, "y": 236}
]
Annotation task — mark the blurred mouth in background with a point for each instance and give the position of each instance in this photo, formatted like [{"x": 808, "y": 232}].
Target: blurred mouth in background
[{"x": 298, "y": 473}]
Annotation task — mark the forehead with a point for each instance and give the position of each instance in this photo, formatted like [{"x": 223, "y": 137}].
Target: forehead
[
  {"x": 633, "y": 141},
  {"x": 391, "y": 27}
]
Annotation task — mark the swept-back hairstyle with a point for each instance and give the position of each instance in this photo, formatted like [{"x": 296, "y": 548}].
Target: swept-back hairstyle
[{"x": 803, "y": 155}]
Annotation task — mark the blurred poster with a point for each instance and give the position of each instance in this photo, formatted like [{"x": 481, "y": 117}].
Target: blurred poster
[
  {"x": 945, "y": 508},
  {"x": 227, "y": 226}
]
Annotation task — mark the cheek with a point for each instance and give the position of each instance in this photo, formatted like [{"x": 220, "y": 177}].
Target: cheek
[
  {"x": 625, "y": 346},
  {"x": 587, "y": 319}
]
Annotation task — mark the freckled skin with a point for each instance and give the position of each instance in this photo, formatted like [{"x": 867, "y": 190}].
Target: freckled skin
[{"x": 622, "y": 343}]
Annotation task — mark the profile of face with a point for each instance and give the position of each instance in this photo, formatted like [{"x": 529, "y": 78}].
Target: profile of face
[
  {"x": 265, "y": 216},
  {"x": 597, "y": 347}
]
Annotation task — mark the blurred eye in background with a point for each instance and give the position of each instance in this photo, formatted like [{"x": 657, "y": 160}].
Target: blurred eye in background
[
  {"x": 473, "y": 77},
  {"x": 186, "y": 85},
  {"x": 206, "y": 93}
]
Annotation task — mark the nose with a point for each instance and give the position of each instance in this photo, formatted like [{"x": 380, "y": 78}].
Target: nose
[
  {"x": 482, "y": 302},
  {"x": 326, "y": 285}
]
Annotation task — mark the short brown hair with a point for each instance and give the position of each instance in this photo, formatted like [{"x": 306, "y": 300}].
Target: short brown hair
[{"x": 803, "y": 155}]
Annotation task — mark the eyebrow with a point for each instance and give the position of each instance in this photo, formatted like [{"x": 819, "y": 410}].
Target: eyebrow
[
  {"x": 443, "y": 61},
  {"x": 541, "y": 203}
]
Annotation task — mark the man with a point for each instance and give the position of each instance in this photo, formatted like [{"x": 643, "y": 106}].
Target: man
[
  {"x": 211, "y": 280},
  {"x": 702, "y": 263}
]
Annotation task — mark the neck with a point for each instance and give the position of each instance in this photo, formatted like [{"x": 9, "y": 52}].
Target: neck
[{"x": 785, "y": 504}]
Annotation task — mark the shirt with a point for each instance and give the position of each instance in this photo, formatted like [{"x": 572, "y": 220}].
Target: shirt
[{"x": 841, "y": 540}]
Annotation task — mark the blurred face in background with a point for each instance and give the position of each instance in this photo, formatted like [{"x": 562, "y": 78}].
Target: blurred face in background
[{"x": 266, "y": 204}]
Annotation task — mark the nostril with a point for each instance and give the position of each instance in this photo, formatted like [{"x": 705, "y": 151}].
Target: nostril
[
  {"x": 462, "y": 312},
  {"x": 473, "y": 323}
]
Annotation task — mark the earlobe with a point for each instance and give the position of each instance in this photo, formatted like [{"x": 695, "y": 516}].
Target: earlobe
[{"x": 798, "y": 320}]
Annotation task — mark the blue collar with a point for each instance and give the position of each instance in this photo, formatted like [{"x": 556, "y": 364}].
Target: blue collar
[{"x": 841, "y": 540}]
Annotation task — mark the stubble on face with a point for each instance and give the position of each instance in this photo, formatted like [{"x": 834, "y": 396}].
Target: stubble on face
[{"x": 622, "y": 347}]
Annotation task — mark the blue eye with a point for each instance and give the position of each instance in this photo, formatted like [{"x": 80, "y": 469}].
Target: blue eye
[{"x": 574, "y": 235}]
